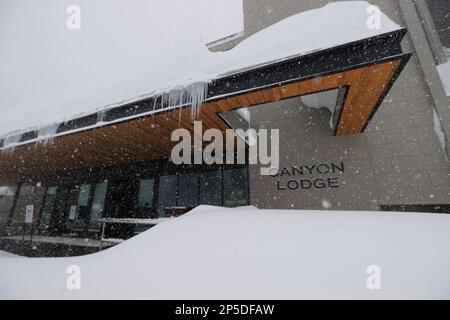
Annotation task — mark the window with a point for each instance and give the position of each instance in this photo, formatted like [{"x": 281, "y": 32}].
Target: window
[
  {"x": 211, "y": 188},
  {"x": 145, "y": 202},
  {"x": 205, "y": 188},
  {"x": 83, "y": 198},
  {"x": 121, "y": 198},
  {"x": 188, "y": 190},
  {"x": 235, "y": 188},
  {"x": 167, "y": 196},
  {"x": 81, "y": 208},
  {"x": 6, "y": 201},
  {"x": 48, "y": 207},
  {"x": 29, "y": 195},
  {"x": 146, "y": 191},
  {"x": 98, "y": 205}
]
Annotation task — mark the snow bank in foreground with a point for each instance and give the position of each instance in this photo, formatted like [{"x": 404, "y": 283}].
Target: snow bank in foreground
[
  {"x": 215, "y": 253},
  {"x": 137, "y": 55},
  {"x": 4, "y": 254}
]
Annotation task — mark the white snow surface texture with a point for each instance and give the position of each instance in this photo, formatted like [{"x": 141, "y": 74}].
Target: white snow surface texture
[
  {"x": 49, "y": 74},
  {"x": 246, "y": 253}
]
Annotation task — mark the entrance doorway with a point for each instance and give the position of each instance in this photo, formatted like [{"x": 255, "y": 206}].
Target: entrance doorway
[
  {"x": 58, "y": 216},
  {"x": 121, "y": 203}
]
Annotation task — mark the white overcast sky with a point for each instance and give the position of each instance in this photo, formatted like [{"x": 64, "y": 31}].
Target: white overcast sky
[
  {"x": 128, "y": 49},
  {"x": 40, "y": 58}
]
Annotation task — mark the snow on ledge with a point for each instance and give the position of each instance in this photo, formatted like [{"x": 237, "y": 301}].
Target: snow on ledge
[
  {"x": 173, "y": 68},
  {"x": 245, "y": 253},
  {"x": 444, "y": 72}
]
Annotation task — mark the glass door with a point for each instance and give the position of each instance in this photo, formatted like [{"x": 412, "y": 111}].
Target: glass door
[
  {"x": 121, "y": 204},
  {"x": 98, "y": 205},
  {"x": 145, "y": 199},
  {"x": 57, "y": 225},
  {"x": 48, "y": 208},
  {"x": 167, "y": 194},
  {"x": 78, "y": 213}
]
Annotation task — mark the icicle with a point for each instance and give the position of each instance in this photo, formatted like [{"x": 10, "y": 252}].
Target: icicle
[
  {"x": 154, "y": 103},
  {"x": 10, "y": 143},
  {"x": 197, "y": 93},
  {"x": 193, "y": 94},
  {"x": 46, "y": 134},
  {"x": 163, "y": 99},
  {"x": 101, "y": 116},
  {"x": 176, "y": 97}
]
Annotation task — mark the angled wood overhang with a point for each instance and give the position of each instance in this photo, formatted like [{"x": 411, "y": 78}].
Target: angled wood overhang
[{"x": 141, "y": 131}]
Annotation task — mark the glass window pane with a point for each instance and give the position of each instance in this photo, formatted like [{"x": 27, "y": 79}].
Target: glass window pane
[
  {"x": 7, "y": 194},
  {"x": 146, "y": 192},
  {"x": 98, "y": 205},
  {"x": 82, "y": 209},
  {"x": 83, "y": 198},
  {"x": 167, "y": 196},
  {"x": 188, "y": 190},
  {"x": 48, "y": 207},
  {"x": 235, "y": 188},
  {"x": 29, "y": 195},
  {"x": 211, "y": 188}
]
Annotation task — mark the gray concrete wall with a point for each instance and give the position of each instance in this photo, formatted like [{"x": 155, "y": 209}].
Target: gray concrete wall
[{"x": 398, "y": 160}]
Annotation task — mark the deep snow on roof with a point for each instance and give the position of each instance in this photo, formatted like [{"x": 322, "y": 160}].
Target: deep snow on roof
[
  {"x": 246, "y": 253},
  {"x": 104, "y": 65}
]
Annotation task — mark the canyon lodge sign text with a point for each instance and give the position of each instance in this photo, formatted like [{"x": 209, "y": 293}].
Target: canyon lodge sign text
[{"x": 306, "y": 177}]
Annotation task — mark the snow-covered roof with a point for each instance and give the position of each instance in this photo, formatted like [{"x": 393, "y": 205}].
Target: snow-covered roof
[
  {"x": 81, "y": 74},
  {"x": 246, "y": 253}
]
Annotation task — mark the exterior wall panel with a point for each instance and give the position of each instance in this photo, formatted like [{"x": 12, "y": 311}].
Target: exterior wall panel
[{"x": 397, "y": 160}]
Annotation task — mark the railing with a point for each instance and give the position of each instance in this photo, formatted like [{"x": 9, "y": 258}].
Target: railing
[{"x": 129, "y": 221}]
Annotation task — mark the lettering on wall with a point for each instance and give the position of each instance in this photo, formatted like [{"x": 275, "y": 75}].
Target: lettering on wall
[{"x": 307, "y": 177}]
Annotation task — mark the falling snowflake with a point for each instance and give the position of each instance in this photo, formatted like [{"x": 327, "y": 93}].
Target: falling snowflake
[{"x": 326, "y": 204}]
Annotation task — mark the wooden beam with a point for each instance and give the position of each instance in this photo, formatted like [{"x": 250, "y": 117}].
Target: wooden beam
[{"x": 148, "y": 138}]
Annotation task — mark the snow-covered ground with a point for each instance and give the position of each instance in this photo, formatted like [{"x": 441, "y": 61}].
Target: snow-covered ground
[
  {"x": 215, "y": 253},
  {"x": 4, "y": 254},
  {"x": 129, "y": 54}
]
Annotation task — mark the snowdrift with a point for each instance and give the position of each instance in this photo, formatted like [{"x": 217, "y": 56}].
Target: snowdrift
[
  {"x": 215, "y": 253},
  {"x": 150, "y": 58}
]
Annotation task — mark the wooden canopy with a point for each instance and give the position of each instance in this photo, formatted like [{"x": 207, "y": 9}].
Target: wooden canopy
[{"x": 146, "y": 137}]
